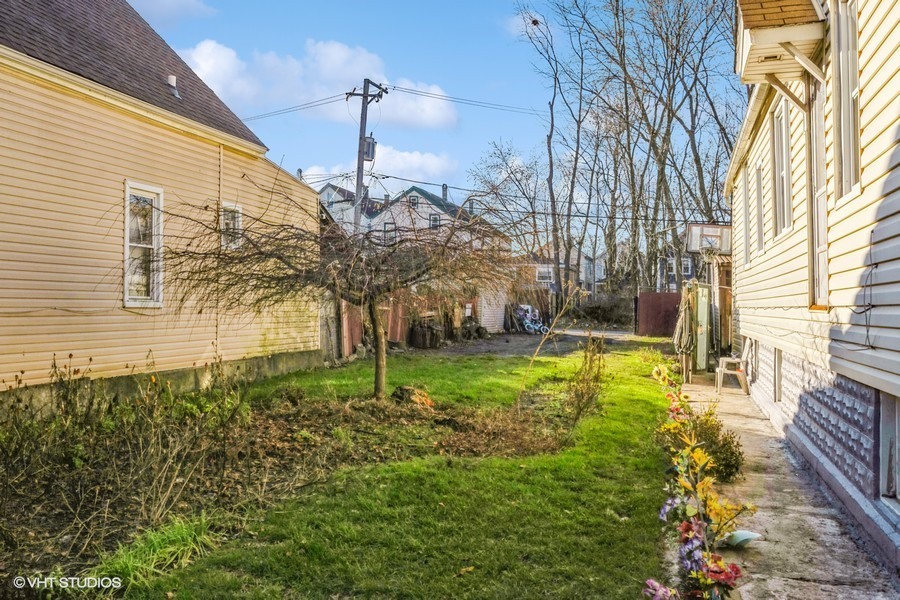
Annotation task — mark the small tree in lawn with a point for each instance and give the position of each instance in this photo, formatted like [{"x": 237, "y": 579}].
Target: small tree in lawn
[{"x": 272, "y": 261}]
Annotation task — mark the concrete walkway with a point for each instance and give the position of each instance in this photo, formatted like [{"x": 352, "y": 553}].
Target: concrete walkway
[{"x": 807, "y": 549}]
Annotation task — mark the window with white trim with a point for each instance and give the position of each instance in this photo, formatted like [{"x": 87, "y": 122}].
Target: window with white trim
[
  {"x": 544, "y": 274},
  {"x": 686, "y": 267},
  {"x": 760, "y": 228},
  {"x": 143, "y": 245},
  {"x": 848, "y": 107},
  {"x": 434, "y": 221},
  {"x": 817, "y": 196},
  {"x": 390, "y": 233},
  {"x": 230, "y": 221},
  {"x": 745, "y": 184},
  {"x": 670, "y": 262},
  {"x": 781, "y": 165},
  {"x": 413, "y": 201}
]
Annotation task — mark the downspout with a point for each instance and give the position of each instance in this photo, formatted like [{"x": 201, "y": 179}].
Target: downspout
[{"x": 221, "y": 183}]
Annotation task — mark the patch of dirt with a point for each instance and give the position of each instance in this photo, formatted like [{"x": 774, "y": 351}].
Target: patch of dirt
[{"x": 291, "y": 444}]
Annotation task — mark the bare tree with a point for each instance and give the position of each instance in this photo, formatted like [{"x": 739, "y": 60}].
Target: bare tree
[{"x": 291, "y": 255}]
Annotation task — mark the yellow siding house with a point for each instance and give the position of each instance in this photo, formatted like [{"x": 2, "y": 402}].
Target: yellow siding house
[
  {"x": 814, "y": 184},
  {"x": 104, "y": 129}
]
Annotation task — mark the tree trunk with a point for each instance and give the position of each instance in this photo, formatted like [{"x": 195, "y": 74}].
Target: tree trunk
[{"x": 380, "y": 340}]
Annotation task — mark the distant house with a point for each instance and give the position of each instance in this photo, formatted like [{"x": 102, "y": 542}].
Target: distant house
[
  {"x": 413, "y": 212},
  {"x": 582, "y": 272},
  {"x": 669, "y": 269},
  {"x": 106, "y": 132},
  {"x": 341, "y": 204},
  {"x": 814, "y": 182}
]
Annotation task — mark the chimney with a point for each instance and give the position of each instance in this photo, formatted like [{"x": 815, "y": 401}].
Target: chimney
[{"x": 444, "y": 192}]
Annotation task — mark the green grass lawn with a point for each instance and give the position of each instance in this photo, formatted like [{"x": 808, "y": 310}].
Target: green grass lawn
[
  {"x": 483, "y": 381},
  {"x": 578, "y": 524}
]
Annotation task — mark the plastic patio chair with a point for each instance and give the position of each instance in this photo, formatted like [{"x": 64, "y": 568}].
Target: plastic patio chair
[{"x": 736, "y": 367}]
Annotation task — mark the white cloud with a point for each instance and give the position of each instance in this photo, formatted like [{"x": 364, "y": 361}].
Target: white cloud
[
  {"x": 515, "y": 25},
  {"x": 416, "y": 165},
  {"x": 166, "y": 12},
  {"x": 270, "y": 81},
  {"x": 222, "y": 70}
]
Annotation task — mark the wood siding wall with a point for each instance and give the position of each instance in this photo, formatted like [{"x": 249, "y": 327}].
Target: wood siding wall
[
  {"x": 772, "y": 291},
  {"x": 64, "y": 161}
]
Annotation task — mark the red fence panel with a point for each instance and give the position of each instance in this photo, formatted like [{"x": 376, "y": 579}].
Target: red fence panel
[{"x": 657, "y": 313}]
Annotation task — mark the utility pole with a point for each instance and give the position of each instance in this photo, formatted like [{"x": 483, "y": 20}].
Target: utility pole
[{"x": 360, "y": 155}]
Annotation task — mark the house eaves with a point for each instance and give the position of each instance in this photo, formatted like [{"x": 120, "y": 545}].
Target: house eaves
[
  {"x": 105, "y": 50},
  {"x": 745, "y": 136}
]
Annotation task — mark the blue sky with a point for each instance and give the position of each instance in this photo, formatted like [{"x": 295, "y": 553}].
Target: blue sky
[{"x": 264, "y": 56}]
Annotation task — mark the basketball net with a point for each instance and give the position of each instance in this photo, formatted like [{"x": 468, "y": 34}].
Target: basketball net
[{"x": 709, "y": 253}]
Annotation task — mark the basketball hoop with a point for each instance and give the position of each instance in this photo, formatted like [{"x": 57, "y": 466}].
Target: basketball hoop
[{"x": 709, "y": 253}]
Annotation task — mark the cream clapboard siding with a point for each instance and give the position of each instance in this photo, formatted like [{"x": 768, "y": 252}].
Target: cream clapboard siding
[
  {"x": 492, "y": 309},
  {"x": 772, "y": 296},
  {"x": 64, "y": 160}
]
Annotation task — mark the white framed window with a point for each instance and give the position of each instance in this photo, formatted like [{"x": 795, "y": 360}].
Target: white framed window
[
  {"x": 670, "y": 264},
  {"x": 143, "y": 245},
  {"x": 848, "y": 94},
  {"x": 434, "y": 221},
  {"x": 686, "y": 267},
  {"x": 745, "y": 196},
  {"x": 544, "y": 274},
  {"x": 817, "y": 197},
  {"x": 231, "y": 222},
  {"x": 413, "y": 201},
  {"x": 889, "y": 450},
  {"x": 781, "y": 165},
  {"x": 390, "y": 233},
  {"x": 760, "y": 225}
]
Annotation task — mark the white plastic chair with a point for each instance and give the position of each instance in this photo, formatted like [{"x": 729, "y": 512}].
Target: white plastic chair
[{"x": 736, "y": 367}]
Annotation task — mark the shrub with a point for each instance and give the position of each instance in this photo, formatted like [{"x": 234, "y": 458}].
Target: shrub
[
  {"x": 586, "y": 387},
  {"x": 720, "y": 443},
  {"x": 609, "y": 311},
  {"x": 113, "y": 461},
  {"x": 702, "y": 452}
]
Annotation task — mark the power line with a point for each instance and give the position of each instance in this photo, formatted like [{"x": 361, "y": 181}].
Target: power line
[
  {"x": 512, "y": 211},
  {"x": 469, "y": 102},
  {"x": 410, "y": 91},
  {"x": 305, "y": 106}
]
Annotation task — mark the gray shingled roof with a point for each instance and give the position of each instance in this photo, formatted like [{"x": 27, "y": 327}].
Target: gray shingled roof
[{"x": 109, "y": 43}]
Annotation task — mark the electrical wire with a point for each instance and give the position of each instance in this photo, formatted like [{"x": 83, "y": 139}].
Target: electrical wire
[
  {"x": 305, "y": 106},
  {"x": 410, "y": 91},
  {"x": 540, "y": 213},
  {"x": 469, "y": 102}
]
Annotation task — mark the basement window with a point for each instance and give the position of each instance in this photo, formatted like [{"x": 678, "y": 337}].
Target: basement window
[{"x": 889, "y": 449}]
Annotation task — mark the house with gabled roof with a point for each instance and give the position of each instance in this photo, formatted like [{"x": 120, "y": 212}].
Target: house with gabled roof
[
  {"x": 413, "y": 212},
  {"x": 814, "y": 183},
  {"x": 106, "y": 132}
]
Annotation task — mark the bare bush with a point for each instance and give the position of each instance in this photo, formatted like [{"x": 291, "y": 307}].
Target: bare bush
[{"x": 586, "y": 387}]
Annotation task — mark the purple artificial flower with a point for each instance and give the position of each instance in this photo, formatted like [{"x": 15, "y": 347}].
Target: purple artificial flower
[
  {"x": 690, "y": 554},
  {"x": 657, "y": 591},
  {"x": 669, "y": 505}
]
